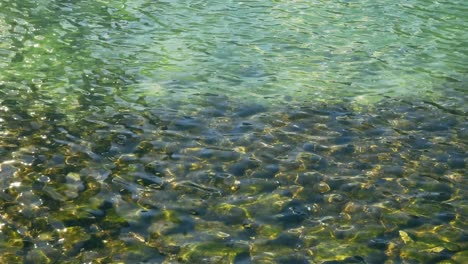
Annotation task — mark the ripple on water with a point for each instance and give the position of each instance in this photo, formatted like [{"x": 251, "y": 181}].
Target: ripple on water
[
  {"x": 144, "y": 133},
  {"x": 179, "y": 188}
]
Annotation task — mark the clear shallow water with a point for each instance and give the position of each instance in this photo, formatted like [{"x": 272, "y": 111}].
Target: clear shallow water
[{"x": 253, "y": 132}]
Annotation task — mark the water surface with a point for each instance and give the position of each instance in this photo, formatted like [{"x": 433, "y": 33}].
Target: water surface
[{"x": 233, "y": 132}]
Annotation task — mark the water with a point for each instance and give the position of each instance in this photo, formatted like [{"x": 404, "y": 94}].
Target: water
[{"x": 233, "y": 132}]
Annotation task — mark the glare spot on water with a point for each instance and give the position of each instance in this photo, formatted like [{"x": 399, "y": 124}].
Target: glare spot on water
[{"x": 15, "y": 184}]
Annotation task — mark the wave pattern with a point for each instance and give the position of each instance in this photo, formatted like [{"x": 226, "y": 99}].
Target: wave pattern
[{"x": 233, "y": 132}]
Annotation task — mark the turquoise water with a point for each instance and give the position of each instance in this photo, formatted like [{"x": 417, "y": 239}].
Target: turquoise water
[{"x": 233, "y": 131}]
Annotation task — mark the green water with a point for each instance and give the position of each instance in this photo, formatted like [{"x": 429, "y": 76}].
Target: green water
[{"x": 233, "y": 131}]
